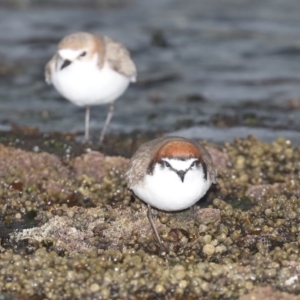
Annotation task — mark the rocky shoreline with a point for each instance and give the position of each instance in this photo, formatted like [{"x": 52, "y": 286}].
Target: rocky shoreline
[{"x": 70, "y": 229}]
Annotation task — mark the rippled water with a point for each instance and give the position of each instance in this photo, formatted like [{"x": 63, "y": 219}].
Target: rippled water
[{"x": 207, "y": 69}]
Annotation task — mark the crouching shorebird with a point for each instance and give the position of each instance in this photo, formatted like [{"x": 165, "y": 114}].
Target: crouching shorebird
[
  {"x": 171, "y": 174},
  {"x": 90, "y": 69}
]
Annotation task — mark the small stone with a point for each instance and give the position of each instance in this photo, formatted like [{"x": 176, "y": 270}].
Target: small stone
[
  {"x": 94, "y": 287},
  {"x": 183, "y": 284},
  {"x": 208, "y": 249},
  {"x": 179, "y": 272},
  {"x": 206, "y": 239},
  {"x": 249, "y": 285},
  {"x": 240, "y": 162},
  {"x": 270, "y": 273},
  {"x": 18, "y": 216},
  {"x": 159, "y": 289},
  {"x": 204, "y": 286},
  {"x": 105, "y": 293},
  {"x": 221, "y": 249}
]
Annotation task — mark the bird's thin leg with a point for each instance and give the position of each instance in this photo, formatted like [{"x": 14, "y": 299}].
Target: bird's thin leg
[
  {"x": 107, "y": 121},
  {"x": 193, "y": 209},
  {"x": 87, "y": 123},
  {"x": 149, "y": 215}
]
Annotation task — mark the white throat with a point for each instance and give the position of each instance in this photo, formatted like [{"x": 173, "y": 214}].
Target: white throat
[{"x": 166, "y": 190}]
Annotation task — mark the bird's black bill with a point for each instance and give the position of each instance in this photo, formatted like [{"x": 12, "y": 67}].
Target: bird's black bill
[
  {"x": 181, "y": 175},
  {"x": 65, "y": 64}
]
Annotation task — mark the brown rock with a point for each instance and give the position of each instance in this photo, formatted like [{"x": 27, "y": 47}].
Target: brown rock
[
  {"x": 268, "y": 293},
  {"x": 220, "y": 158},
  {"x": 91, "y": 164},
  {"x": 43, "y": 169},
  {"x": 117, "y": 162},
  {"x": 208, "y": 215},
  {"x": 259, "y": 192}
]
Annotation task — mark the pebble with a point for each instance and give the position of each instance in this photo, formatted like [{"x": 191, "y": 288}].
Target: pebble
[
  {"x": 159, "y": 289},
  {"x": 94, "y": 287},
  {"x": 208, "y": 249}
]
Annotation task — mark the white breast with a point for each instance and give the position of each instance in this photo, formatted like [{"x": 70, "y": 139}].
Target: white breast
[
  {"x": 164, "y": 189},
  {"x": 83, "y": 83}
]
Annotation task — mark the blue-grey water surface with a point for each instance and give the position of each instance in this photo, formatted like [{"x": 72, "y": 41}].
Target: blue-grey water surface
[{"x": 206, "y": 69}]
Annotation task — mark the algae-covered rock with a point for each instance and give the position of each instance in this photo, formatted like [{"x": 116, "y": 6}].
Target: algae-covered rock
[
  {"x": 90, "y": 164},
  {"x": 70, "y": 227},
  {"x": 268, "y": 293}
]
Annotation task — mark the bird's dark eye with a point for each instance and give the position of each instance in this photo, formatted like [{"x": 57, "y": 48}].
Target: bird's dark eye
[
  {"x": 83, "y": 54},
  {"x": 167, "y": 164},
  {"x": 194, "y": 164}
]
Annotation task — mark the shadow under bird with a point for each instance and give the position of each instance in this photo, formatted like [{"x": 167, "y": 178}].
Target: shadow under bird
[
  {"x": 89, "y": 69},
  {"x": 170, "y": 174}
]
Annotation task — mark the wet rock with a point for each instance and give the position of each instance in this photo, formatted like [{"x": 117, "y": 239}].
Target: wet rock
[
  {"x": 220, "y": 158},
  {"x": 259, "y": 192},
  {"x": 209, "y": 249},
  {"x": 67, "y": 234},
  {"x": 116, "y": 162},
  {"x": 91, "y": 164},
  {"x": 294, "y": 103},
  {"x": 155, "y": 79},
  {"x": 193, "y": 98},
  {"x": 30, "y": 167},
  {"x": 268, "y": 293},
  {"x": 208, "y": 215},
  {"x": 7, "y": 70},
  {"x": 93, "y": 238},
  {"x": 41, "y": 171},
  {"x": 158, "y": 39}
]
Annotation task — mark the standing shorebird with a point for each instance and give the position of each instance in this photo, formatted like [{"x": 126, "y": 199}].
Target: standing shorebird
[
  {"x": 171, "y": 174},
  {"x": 89, "y": 69}
]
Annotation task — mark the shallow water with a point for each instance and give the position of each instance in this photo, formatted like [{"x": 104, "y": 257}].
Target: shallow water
[{"x": 203, "y": 66}]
